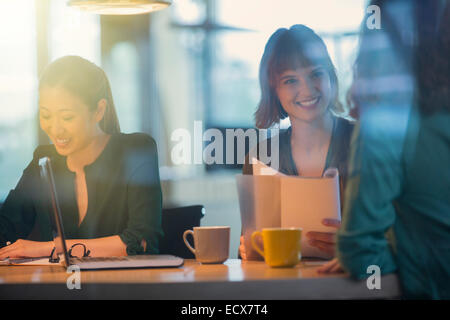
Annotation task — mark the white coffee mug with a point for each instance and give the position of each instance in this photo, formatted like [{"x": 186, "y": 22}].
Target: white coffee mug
[{"x": 212, "y": 244}]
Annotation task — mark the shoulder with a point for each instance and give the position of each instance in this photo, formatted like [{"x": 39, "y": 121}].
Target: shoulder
[
  {"x": 276, "y": 139},
  {"x": 280, "y": 136},
  {"x": 279, "y": 140},
  {"x": 343, "y": 132},
  {"x": 345, "y": 126},
  {"x": 342, "y": 141},
  {"x": 38, "y": 153},
  {"x": 139, "y": 146},
  {"x": 135, "y": 150},
  {"x": 41, "y": 151},
  {"x": 137, "y": 140}
]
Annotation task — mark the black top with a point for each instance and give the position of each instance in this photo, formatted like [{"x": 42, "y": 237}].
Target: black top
[
  {"x": 337, "y": 155},
  {"x": 124, "y": 196}
]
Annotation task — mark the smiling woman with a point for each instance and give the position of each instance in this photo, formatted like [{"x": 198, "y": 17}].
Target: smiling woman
[
  {"x": 304, "y": 93},
  {"x": 107, "y": 182},
  {"x": 70, "y": 126},
  {"x": 80, "y": 84},
  {"x": 298, "y": 81}
]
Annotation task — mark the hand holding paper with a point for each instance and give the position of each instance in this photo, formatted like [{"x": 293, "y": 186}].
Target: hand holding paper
[
  {"x": 277, "y": 200},
  {"x": 324, "y": 241}
]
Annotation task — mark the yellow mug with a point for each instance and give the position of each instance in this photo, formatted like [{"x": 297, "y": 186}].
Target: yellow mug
[{"x": 282, "y": 246}]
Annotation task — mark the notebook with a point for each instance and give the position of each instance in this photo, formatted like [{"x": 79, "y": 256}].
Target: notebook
[{"x": 137, "y": 261}]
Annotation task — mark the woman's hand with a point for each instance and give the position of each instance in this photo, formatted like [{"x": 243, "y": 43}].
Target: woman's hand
[
  {"x": 325, "y": 241},
  {"x": 332, "y": 266},
  {"x": 242, "y": 252},
  {"x": 26, "y": 248}
]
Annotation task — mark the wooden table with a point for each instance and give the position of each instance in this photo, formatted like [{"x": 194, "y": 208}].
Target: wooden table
[{"x": 235, "y": 280}]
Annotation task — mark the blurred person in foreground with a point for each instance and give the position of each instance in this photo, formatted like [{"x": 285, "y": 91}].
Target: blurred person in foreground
[{"x": 397, "y": 201}]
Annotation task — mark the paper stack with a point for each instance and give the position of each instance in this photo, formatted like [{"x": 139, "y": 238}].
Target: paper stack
[{"x": 270, "y": 199}]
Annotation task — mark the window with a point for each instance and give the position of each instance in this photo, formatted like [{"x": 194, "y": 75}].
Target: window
[
  {"x": 17, "y": 91},
  {"x": 67, "y": 31},
  {"x": 123, "y": 77},
  {"x": 73, "y": 32},
  {"x": 238, "y": 52},
  {"x": 230, "y": 38}
]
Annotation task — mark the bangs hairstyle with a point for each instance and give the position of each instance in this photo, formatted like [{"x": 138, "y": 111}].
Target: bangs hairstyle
[
  {"x": 85, "y": 80},
  {"x": 289, "y": 49}
]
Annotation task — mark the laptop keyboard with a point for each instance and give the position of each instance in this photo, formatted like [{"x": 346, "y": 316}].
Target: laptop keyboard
[
  {"x": 137, "y": 261},
  {"x": 113, "y": 259},
  {"x": 100, "y": 259}
]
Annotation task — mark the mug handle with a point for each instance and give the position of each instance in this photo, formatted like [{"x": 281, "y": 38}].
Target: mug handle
[
  {"x": 185, "y": 240},
  {"x": 254, "y": 245}
]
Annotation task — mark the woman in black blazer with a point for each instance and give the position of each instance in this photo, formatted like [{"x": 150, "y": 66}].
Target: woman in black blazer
[{"x": 107, "y": 182}]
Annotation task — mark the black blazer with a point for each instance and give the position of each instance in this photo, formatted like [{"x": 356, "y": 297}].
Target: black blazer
[{"x": 124, "y": 196}]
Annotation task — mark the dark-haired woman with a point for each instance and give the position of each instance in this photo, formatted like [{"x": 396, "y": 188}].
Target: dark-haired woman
[
  {"x": 298, "y": 81},
  {"x": 107, "y": 182}
]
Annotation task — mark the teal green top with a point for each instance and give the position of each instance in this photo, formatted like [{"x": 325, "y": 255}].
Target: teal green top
[{"x": 399, "y": 181}]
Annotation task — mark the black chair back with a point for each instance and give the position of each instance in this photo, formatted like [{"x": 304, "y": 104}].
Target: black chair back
[{"x": 174, "y": 222}]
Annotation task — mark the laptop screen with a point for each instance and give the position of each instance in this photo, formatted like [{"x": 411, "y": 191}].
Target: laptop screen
[{"x": 53, "y": 205}]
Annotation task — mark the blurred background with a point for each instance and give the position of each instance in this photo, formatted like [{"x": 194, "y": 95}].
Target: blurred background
[{"x": 197, "y": 60}]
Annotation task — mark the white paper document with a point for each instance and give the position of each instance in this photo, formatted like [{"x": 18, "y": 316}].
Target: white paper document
[
  {"x": 270, "y": 199},
  {"x": 43, "y": 261}
]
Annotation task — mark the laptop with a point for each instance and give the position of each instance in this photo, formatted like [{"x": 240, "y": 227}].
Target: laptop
[{"x": 90, "y": 263}]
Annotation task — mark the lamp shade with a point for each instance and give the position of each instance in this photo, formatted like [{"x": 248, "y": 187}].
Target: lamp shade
[{"x": 119, "y": 7}]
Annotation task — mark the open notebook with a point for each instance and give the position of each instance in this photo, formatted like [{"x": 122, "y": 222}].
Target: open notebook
[{"x": 269, "y": 198}]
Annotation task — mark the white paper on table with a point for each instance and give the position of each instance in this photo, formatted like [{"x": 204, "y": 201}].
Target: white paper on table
[
  {"x": 44, "y": 261},
  {"x": 271, "y": 199}
]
